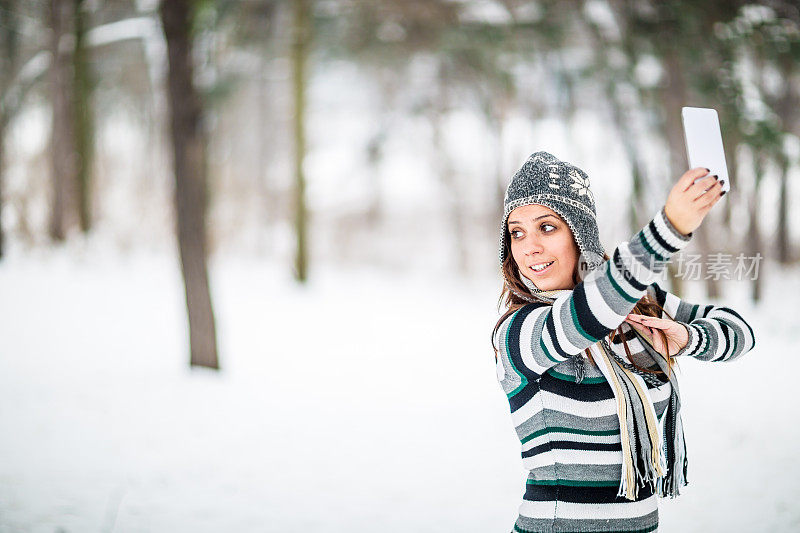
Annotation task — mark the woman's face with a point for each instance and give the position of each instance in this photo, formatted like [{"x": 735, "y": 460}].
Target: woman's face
[{"x": 539, "y": 236}]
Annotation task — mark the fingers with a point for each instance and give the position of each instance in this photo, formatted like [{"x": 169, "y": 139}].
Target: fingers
[
  {"x": 639, "y": 322},
  {"x": 644, "y": 330},
  {"x": 705, "y": 208},
  {"x": 704, "y": 185},
  {"x": 647, "y": 326},
  {"x": 687, "y": 180},
  {"x": 644, "y": 319},
  {"x": 649, "y": 321},
  {"x": 712, "y": 196}
]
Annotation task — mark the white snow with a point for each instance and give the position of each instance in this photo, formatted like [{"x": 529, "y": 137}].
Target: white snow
[{"x": 366, "y": 401}]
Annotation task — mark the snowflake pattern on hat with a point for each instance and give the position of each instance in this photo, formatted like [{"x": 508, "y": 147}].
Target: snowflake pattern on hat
[{"x": 581, "y": 184}]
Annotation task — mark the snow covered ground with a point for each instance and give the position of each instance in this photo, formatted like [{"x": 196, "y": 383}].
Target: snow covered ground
[{"x": 366, "y": 401}]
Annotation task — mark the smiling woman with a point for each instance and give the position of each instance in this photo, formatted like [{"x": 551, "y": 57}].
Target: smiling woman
[
  {"x": 586, "y": 346},
  {"x": 542, "y": 244}
]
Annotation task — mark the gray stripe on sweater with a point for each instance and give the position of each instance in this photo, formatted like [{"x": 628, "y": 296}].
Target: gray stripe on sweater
[
  {"x": 576, "y": 472},
  {"x": 612, "y": 524},
  {"x": 551, "y": 418}
]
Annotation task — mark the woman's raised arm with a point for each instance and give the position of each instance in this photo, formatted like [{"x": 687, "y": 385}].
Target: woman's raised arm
[{"x": 539, "y": 336}]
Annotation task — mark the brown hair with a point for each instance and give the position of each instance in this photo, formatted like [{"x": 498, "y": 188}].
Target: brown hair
[{"x": 645, "y": 306}]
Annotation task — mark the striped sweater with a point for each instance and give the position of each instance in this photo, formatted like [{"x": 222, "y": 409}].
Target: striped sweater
[{"x": 569, "y": 431}]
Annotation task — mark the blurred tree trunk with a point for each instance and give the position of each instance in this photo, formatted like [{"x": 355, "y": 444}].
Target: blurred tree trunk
[
  {"x": 2, "y": 175},
  {"x": 622, "y": 121},
  {"x": 620, "y": 113},
  {"x": 497, "y": 130},
  {"x": 9, "y": 44},
  {"x": 754, "y": 243},
  {"x": 782, "y": 243},
  {"x": 189, "y": 146},
  {"x": 268, "y": 33},
  {"x": 301, "y": 36},
  {"x": 731, "y": 140},
  {"x": 266, "y": 126},
  {"x": 389, "y": 82},
  {"x": 375, "y": 147},
  {"x": 673, "y": 97},
  {"x": 83, "y": 117},
  {"x": 444, "y": 170},
  {"x": 62, "y": 140},
  {"x": 787, "y": 110}
]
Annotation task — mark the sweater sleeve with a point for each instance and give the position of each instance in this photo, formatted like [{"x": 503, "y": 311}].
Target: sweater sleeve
[
  {"x": 538, "y": 335},
  {"x": 715, "y": 333}
]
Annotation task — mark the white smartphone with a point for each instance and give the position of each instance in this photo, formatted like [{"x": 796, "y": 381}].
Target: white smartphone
[{"x": 704, "y": 142}]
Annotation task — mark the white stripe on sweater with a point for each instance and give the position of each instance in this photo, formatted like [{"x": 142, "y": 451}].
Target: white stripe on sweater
[
  {"x": 526, "y": 334},
  {"x": 572, "y": 457},
  {"x": 573, "y": 437},
  {"x": 702, "y": 339},
  {"x": 526, "y": 411},
  {"x": 560, "y": 327},
  {"x": 603, "y": 312},
  {"x": 720, "y": 346},
  {"x": 665, "y": 232},
  {"x": 671, "y": 304},
  {"x": 538, "y": 509}
]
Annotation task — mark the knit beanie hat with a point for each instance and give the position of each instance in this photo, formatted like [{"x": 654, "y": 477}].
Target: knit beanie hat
[{"x": 564, "y": 188}]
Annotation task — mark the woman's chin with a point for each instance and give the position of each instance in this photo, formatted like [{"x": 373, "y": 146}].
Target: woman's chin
[
  {"x": 541, "y": 284},
  {"x": 547, "y": 284}
]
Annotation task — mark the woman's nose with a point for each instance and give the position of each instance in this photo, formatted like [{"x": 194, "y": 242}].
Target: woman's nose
[{"x": 533, "y": 247}]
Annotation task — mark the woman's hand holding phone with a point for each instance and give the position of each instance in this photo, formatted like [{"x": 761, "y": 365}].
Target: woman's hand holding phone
[{"x": 692, "y": 198}]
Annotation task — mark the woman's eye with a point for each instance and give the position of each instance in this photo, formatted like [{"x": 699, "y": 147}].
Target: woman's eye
[
  {"x": 513, "y": 234},
  {"x": 543, "y": 226}
]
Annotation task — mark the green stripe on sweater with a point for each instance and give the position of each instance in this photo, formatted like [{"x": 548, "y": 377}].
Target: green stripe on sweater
[
  {"x": 545, "y": 350},
  {"x": 650, "y": 248},
  {"x": 575, "y": 321},
  {"x": 523, "y": 379},
  {"x": 618, "y": 288},
  {"x": 573, "y": 483}
]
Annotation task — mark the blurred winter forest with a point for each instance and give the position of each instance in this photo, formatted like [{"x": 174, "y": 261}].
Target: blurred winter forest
[
  {"x": 380, "y": 132},
  {"x": 263, "y": 145}
]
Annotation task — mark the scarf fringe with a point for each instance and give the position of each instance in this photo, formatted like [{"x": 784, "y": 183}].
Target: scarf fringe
[
  {"x": 653, "y": 446},
  {"x": 670, "y": 485}
]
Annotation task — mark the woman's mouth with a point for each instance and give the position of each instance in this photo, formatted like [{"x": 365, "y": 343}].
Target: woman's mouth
[{"x": 541, "y": 268}]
